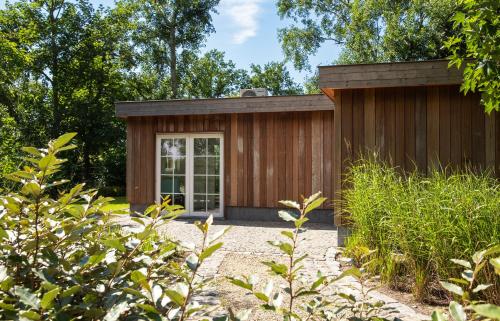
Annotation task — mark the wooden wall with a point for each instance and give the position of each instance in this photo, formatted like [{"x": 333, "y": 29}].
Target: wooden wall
[
  {"x": 274, "y": 156},
  {"x": 415, "y": 126},
  {"x": 268, "y": 156}
]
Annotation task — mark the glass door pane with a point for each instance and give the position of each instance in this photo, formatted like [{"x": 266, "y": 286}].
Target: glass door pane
[
  {"x": 206, "y": 176},
  {"x": 173, "y": 170}
]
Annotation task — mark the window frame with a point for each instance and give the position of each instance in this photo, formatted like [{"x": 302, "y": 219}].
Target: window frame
[{"x": 189, "y": 175}]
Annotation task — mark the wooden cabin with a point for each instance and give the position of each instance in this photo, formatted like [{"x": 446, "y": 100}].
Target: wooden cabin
[{"x": 236, "y": 158}]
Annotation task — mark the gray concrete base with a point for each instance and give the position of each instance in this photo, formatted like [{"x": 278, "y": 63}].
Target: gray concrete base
[
  {"x": 271, "y": 214},
  {"x": 342, "y": 234}
]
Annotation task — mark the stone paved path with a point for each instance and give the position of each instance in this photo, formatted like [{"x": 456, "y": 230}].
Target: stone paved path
[{"x": 250, "y": 239}]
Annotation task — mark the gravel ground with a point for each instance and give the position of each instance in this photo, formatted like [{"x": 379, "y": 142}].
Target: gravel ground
[{"x": 246, "y": 245}]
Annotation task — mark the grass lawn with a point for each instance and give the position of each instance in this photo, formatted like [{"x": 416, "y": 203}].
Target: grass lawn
[{"x": 119, "y": 203}]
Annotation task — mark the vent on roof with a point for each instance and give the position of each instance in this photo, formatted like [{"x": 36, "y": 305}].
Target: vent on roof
[{"x": 253, "y": 92}]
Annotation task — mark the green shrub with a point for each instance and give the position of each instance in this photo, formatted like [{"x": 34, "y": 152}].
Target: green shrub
[
  {"x": 424, "y": 221},
  {"x": 66, "y": 258}
]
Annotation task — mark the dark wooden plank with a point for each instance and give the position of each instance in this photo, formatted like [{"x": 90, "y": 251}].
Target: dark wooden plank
[
  {"x": 390, "y": 124},
  {"x": 421, "y": 128},
  {"x": 346, "y": 128},
  {"x": 369, "y": 118},
  {"x": 358, "y": 123},
  {"x": 327, "y": 154},
  {"x": 256, "y": 159},
  {"x": 317, "y": 152},
  {"x": 337, "y": 159},
  {"x": 234, "y": 160},
  {"x": 455, "y": 127},
  {"x": 466, "y": 131},
  {"x": 399, "y": 110},
  {"x": 295, "y": 157},
  {"x": 380, "y": 123},
  {"x": 308, "y": 155},
  {"x": 423, "y": 73},
  {"x": 228, "y": 147},
  {"x": 224, "y": 105},
  {"x": 433, "y": 126},
  {"x": 444, "y": 126},
  {"x": 409, "y": 129},
  {"x": 263, "y": 162},
  {"x": 478, "y": 132},
  {"x": 490, "y": 124}
]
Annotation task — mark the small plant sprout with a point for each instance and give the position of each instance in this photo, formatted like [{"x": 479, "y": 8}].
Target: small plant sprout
[{"x": 466, "y": 289}]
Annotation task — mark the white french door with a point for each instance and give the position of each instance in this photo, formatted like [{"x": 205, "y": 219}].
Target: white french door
[{"x": 189, "y": 168}]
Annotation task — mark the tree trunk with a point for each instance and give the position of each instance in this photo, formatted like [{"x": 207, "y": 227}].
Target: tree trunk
[
  {"x": 54, "y": 73},
  {"x": 173, "y": 57}
]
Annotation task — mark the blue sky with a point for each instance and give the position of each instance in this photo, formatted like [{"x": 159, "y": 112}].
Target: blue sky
[{"x": 246, "y": 30}]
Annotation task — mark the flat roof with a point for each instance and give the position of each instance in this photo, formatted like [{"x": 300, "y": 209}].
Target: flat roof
[
  {"x": 394, "y": 74},
  {"x": 261, "y": 104}
]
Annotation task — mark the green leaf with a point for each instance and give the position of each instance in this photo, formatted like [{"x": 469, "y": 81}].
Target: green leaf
[
  {"x": 175, "y": 296},
  {"x": 209, "y": 251},
  {"x": 438, "y": 316},
  {"x": 26, "y": 297},
  {"x": 453, "y": 288},
  {"x": 286, "y": 248},
  {"x": 457, "y": 311},
  {"x": 286, "y": 216},
  {"x": 116, "y": 311},
  {"x": 137, "y": 277},
  {"x": 32, "y": 315},
  {"x": 115, "y": 244},
  {"x": 487, "y": 310},
  {"x": 315, "y": 204},
  {"x": 277, "y": 268},
  {"x": 62, "y": 140},
  {"x": 147, "y": 308},
  {"x": 300, "y": 222},
  {"x": 71, "y": 291},
  {"x": 46, "y": 162},
  {"x": 261, "y": 296},
  {"x": 287, "y": 234},
  {"x": 48, "y": 298},
  {"x": 134, "y": 292},
  {"x": 32, "y": 150},
  {"x": 240, "y": 283}
]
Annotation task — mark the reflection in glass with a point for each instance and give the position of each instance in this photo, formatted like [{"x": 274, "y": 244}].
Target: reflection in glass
[
  {"x": 213, "y": 185},
  {"x": 179, "y": 184},
  {"x": 213, "y": 146},
  {"x": 200, "y": 146},
  {"x": 200, "y": 186},
  {"x": 166, "y": 184},
  {"x": 200, "y": 165},
  {"x": 199, "y": 203},
  {"x": 173, "y": 147},
  {"x": 213, "y": 203},
  {"x": 213, "y": 165},
  {"x": 179, "y": 199}
]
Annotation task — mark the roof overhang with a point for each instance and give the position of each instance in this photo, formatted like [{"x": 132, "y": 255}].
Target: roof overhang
[
  {"x": 265, "y": 104},
  {"x": 398, "y": 74}
]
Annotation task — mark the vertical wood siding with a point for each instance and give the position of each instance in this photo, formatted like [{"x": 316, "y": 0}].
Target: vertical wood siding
[
  {"x": 267, "y": 157},
  {"x": 274, "y": 156},
  {"x": 415, "y": 126}
]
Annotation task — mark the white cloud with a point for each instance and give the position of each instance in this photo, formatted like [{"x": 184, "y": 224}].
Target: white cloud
[{"x": 243, "y": 15}]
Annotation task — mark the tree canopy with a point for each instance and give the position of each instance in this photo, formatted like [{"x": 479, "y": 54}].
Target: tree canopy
[
  {"x": 477, "y": 46},
  {"x": 367, "y": 30}
]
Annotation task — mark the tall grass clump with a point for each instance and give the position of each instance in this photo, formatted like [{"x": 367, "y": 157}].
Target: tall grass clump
[{"x": 419, "y": 223}]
